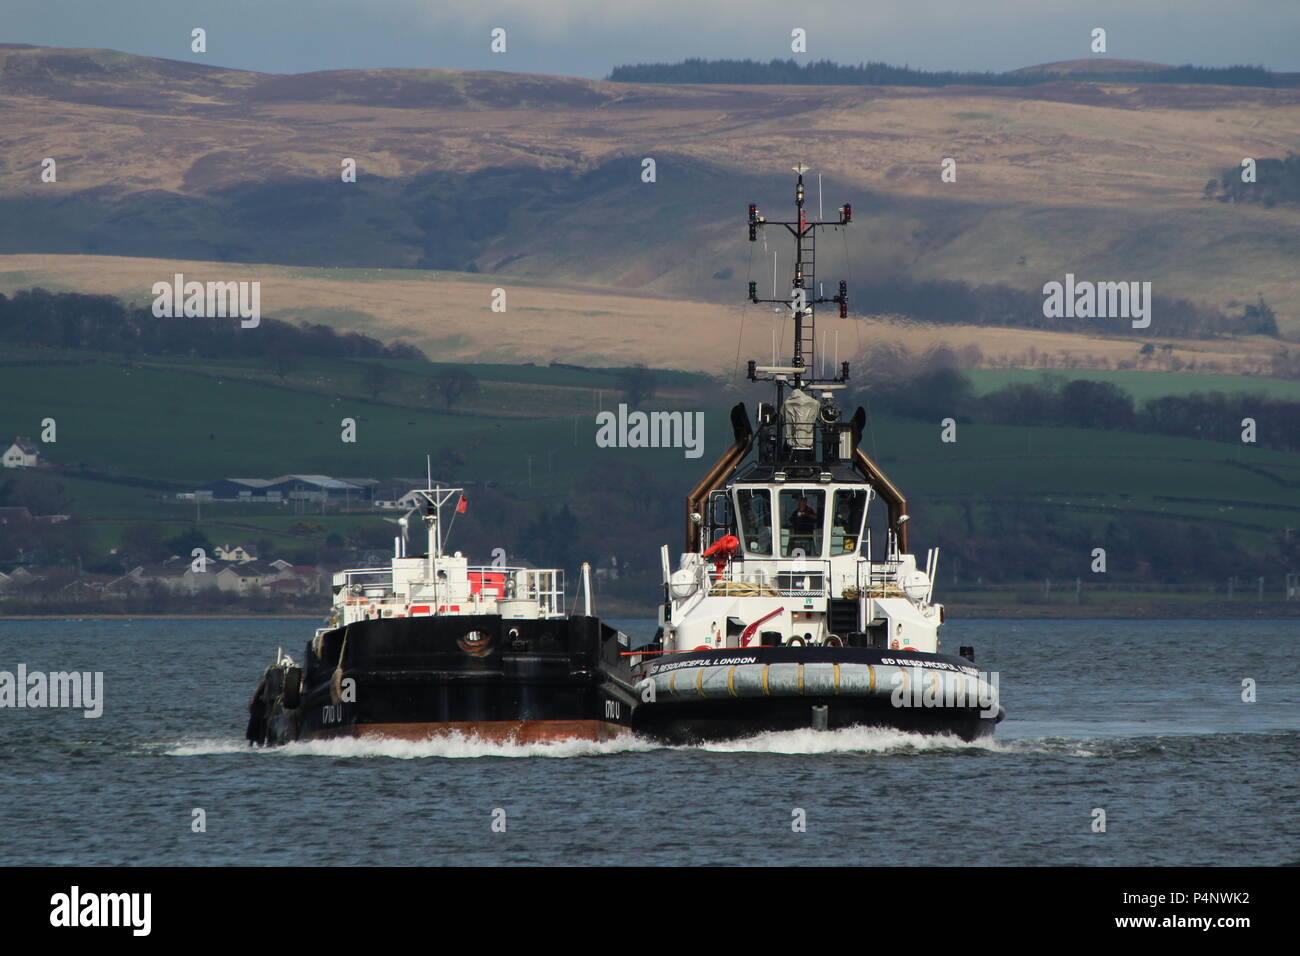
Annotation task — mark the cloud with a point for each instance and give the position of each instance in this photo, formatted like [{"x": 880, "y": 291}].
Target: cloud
[{"x": 587, "y": 37}]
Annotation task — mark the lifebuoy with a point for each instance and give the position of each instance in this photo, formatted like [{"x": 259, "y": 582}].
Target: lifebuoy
[{"x": 292, "y": 693}]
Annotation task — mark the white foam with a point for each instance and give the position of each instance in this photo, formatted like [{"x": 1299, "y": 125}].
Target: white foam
[
  {"x": 845, "y": 740},
  {"x": 202, "y": 748},
  {"x": 454, "y": 746},
  {"x": 849, "y": 740}
]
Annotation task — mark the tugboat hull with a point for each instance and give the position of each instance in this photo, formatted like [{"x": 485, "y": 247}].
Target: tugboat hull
[{"x": 740, "y": 692}]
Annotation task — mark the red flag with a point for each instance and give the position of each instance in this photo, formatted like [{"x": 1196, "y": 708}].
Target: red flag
[{"x": 462, "y": 506}]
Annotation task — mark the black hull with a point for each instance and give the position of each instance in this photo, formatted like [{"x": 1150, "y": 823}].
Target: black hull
[
  {"x": 480, "y": 675},
  {"x": 707, "y": 721},
  {"x": 727, "y": 714}
]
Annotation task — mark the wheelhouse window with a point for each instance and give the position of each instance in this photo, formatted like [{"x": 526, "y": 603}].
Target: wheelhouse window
[
  {"x": 846, "y": 519},
  {"x": 754, "y": 516},
  {"x": 802, "y": 512}
]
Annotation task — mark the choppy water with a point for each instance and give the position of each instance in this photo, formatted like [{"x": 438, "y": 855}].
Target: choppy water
[{"x": 1143, "y": 719}]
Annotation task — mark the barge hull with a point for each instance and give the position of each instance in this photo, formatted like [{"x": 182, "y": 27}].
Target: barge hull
[
  {"x": 475, "y": 675},
  {"x": 492, "y": 731}
]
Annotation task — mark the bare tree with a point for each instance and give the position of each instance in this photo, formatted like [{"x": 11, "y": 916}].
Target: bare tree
[
  {"x": 452, "y": 384},
  {"x": 282, "y": 360},
  {"x": 637, "y": 383},
  {"x": 377, "y": 379}
]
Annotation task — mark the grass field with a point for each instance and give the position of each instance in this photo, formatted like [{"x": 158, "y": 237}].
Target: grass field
[
  {"x": 448, "y": 315},
  {"x": 1142, "y": 384},
  {"x": 167, "y": 422}
]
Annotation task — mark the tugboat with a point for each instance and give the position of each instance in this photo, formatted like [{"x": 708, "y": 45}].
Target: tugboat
[
  {"x": 785, "y": 611},
  {"x": 431, "y": 646}
]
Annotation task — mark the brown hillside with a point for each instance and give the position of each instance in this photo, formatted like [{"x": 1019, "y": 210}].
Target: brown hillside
[
  {"x": 1096, "y": 64},
  {"x": 537, "y": 178}
]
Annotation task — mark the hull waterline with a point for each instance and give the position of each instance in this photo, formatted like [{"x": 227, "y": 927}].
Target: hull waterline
[{"x": 741, "y": 692}]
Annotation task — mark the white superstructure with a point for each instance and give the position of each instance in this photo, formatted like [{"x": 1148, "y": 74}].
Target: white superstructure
[
  {"x": 803, "y": 570},
  {"x": 436, "y": 583}
]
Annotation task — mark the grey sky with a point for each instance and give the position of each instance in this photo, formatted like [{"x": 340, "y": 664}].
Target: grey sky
[{"x": 587, "y": 37}]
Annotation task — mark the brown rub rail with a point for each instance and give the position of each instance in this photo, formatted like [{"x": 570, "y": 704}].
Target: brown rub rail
[
  {"x": 894, "y": 500},
  {"x": 699, "y": 496}
]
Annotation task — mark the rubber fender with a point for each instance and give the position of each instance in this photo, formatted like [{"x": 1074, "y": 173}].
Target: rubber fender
[{"x": 292, "y": 687}]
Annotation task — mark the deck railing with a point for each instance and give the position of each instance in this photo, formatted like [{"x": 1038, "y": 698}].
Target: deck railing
[
  {"x": 809, "y": 578},
  {"x": 479, "y": 591}
]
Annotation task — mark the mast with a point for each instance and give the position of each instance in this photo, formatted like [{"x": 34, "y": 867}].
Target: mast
[
  {"x": 801, "y": 437},
  {"x": 431, "y": 512},
  {"x": 778, "y": 438},
  {"x": 802, "y": 370}
]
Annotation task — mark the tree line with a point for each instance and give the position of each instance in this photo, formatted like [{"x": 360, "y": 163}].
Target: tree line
[
  {"x": 1276, "y": 180},
  {"x": 828, "y": 73},
  {"x": 953, "y": 302},
  {"x": 102, "y": 323},
  {"x": 942, "y": 391},
  {"x": 994, "y": 541}
]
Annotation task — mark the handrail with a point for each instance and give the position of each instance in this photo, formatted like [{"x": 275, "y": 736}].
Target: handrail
[
  {"x": 763, "y": 578},
  {"x": 543, "y": 585}
]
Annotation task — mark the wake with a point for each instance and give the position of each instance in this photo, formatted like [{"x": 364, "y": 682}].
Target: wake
[
  {"x": 453, "y": 746},
  {"x": 849, "y": 740}
]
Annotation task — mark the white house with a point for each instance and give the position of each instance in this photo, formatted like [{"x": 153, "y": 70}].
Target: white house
[
  {"x": 245, "y": 578},
  {"x": 20, "y": 454},
  {"x": 236, "y": 554},
  {"x": 192, "y": 582},
  {"x": 405, "y": 503}
]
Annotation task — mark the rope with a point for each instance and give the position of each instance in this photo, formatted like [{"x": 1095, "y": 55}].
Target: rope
[
  {"x": 452, "y": 523},
  {"x": 743, "y": 589},
  {"x": 336, "y": 678}
]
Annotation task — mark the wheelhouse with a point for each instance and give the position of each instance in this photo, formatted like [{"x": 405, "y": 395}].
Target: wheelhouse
[{"x": 794, "y": 520}]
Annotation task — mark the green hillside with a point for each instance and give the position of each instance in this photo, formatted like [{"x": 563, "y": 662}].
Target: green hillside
[
  {"x": 187, "y": 422},
  {"x": 1141, "y": 384}
]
